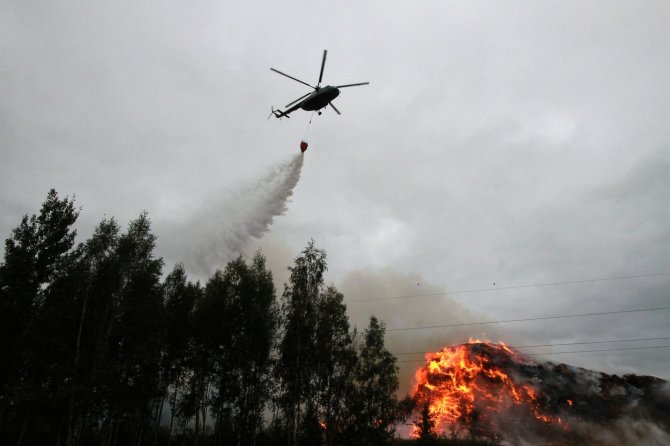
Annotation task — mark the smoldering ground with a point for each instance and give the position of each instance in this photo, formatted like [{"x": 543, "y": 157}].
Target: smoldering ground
[{"x": 609, "y": 410}]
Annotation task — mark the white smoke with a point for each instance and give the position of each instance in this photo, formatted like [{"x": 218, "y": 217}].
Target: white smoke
[
  {"x": 432, "y": 306},
  {"x": 223, "y": 227},
  {"x": 618, "y": 432},
  {"x": 623, "y": 431}
]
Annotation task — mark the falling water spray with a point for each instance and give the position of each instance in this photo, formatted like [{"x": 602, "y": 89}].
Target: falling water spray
[{"x": 223, "y": 227}]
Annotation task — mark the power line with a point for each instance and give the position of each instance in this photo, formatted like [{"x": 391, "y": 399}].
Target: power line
[
  {"x": 543, "y": 318},
  {"x": 592, "y": 342},
  {"x": 514, "y": 287},
  {"x": 559, "y": 344},
  {"x": 598, "y": 350},
  {"x": 566, "y": 353}
]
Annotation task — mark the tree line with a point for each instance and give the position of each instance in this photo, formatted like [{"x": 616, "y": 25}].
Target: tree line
[{"x": 99, "y": 347}]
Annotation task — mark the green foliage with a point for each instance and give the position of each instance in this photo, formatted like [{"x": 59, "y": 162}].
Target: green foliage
[
  {"x": 337, "y": 360},
  {"x": 38, "y": 254},
  {"x": 94, "y": 344},
  {"x": 297, "y": 362},
  {"x": 134, "y": 329},
  {"x": 236, "y": 321},
  {"x": 373, "y": 409}
]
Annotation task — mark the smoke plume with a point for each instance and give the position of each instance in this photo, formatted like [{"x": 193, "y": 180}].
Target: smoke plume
[{"x": 221, "y": 229}]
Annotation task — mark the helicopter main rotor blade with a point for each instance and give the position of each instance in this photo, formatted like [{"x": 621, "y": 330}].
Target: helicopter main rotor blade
[
  {"x": 352, "y": 85},
  {"x": 323, "y": 64},
  {"x": 336, "y": 110},
  {"x": 299, "y": 99},
  {"x": 291, "y": 77}
]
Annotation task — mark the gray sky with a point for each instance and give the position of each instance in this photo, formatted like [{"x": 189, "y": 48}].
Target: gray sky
[{"x": 512, "y": 143}]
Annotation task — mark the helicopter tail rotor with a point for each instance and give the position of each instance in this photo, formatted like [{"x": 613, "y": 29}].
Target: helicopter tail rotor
[{"x": 277, "y": 113}]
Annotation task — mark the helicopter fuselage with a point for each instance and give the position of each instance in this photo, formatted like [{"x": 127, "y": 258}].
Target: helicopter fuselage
[{"x": 320, "y": 98}]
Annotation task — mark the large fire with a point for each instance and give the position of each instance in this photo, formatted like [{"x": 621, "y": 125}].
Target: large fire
[{"x": 471, "y": 390}]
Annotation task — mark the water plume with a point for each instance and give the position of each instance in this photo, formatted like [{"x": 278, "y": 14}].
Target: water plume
[{"x": 223, "y": 226}]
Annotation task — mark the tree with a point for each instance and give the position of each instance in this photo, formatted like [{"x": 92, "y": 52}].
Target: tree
[
  {"x": 246, "y": 321},
  {"x": 93, "y": 343},
  {"x": 137, "y": 336},
  {"x": 181, "y": 298},
  {"x": 211, "y": 344},
  {"x": 123, "y": 329},
  {"x": 35, "y": 255},
  {"x": 257, "y": 324},
  {"x": 337, "y": 359},
  {"x": 51, "y": 361},
  {"x": 373, "y": 409},
  {"x": 297, "y": 360},
  {"x": 96, "y": 300},
  {"x": 425, "y": 425}
]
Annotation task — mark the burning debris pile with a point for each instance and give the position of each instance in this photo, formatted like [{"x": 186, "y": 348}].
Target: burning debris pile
[{"x": 489, "y": 390}]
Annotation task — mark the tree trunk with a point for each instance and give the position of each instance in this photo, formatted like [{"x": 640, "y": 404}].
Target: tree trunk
[
  {"x": 217, "y": 425},
  {"x": 197, "y": 421},
  {"x": 115, "y": 431},
  {"x": 139, "y": 435},
  {"x": 296, "y": 396},
  {"x": 157, "y": 425},
  {"x": 112, "y": 426},
  {"x": 195, "y": 430},
  {"x": 24, "y": 428},
  {"x": 70, "y": 421},
  {"x": 203, "y": 413},
  {"x": 242, "y": 421},
  {"x": 173, "y": 407}
]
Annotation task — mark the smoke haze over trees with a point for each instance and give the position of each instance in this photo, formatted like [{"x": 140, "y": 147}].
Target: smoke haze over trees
[{"x": 98, "y": 348}]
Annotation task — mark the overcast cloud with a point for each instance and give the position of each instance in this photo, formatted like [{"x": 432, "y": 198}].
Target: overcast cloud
[{"x": 512, "y": 143}]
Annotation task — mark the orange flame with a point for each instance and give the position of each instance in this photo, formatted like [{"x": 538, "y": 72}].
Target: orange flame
[{"x": 469, "y": 392}]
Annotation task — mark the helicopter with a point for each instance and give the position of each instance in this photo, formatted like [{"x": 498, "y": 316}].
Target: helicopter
[{"x": 315, "y": 100}]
